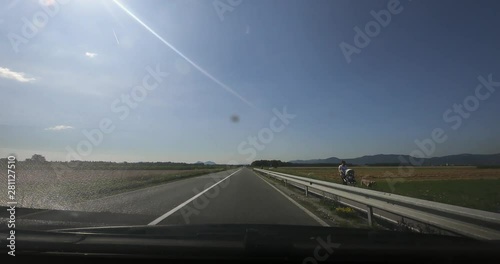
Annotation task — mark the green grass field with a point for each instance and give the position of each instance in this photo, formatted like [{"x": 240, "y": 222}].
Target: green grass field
[
  {"x": 462, "y": 186},
  {"x": 482, "y": 194}
]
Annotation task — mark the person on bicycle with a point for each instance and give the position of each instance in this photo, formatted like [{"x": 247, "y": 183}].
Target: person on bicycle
[{"x": 342, "y": 171}]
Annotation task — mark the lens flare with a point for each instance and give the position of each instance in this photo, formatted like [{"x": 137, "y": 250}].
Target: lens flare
[{"x": 199, "y": 68}]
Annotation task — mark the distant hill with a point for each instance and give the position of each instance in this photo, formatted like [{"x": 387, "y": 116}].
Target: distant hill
[
  {"x": 394, "y": 159},
  {"x": 317, "y": 161}
]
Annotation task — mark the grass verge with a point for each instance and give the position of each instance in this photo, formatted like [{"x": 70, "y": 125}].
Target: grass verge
[{"x": 456, "y": 186}]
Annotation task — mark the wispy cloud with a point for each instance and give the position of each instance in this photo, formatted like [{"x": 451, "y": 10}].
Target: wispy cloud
[
  {"x": 18, "y": 76},
  {"x": 47, "y": 2},
  {"x": 90, "y": 54},
  {"x": 59, "y": 128},
  {"x": 12, "y": 4}
]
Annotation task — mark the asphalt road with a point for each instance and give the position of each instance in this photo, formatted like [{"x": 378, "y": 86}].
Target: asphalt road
[{"x": 236, "y": 196}]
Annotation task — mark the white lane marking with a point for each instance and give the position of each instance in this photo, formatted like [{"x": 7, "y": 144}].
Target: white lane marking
[
  {"x": 319, "y": 220},
  {"x": 167, "y": 214}
]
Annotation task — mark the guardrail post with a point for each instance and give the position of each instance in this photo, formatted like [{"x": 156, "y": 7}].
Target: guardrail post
[
  {"x": 370, "y": 215},
  {"x": 285, "y": 182},
  {"x": 307, "y": 190}
]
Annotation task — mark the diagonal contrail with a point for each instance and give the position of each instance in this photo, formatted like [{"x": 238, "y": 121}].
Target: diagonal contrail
[
  {"x": 221, "y": 84},
  {"x": 117, "y": 41}
]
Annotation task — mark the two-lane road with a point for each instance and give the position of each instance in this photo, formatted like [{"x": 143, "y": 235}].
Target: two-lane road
[
  {"x": 247, "y": 199},
  {"x": 236, "y": 196}
]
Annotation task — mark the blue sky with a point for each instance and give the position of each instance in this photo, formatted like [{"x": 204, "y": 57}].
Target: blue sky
[{"x": 63, "y": 79}]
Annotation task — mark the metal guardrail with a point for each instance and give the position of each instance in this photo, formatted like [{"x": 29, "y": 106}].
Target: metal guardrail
[{"x": 464, "y": 221}]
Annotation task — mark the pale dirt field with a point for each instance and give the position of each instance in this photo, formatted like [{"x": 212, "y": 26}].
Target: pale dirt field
[{"x": 53, "y": 188}]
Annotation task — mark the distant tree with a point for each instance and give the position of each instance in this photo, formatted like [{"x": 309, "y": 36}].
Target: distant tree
[
  {"x": 270, "y": 163},
  {"x": 37, "y": 158}
]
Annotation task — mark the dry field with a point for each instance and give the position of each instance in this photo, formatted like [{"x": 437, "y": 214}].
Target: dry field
[
  {"x": 57, "y": 189},
  {"x": 382, "y": 173}
]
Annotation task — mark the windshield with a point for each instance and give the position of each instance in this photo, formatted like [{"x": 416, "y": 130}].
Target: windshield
[{"x": 368, "y": 115}]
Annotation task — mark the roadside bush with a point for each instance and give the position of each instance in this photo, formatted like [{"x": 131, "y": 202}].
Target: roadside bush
[{"x": 346, "y": 212}]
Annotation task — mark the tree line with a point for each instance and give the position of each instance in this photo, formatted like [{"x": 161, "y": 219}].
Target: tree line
[
  {"x": 39, "y": 162},
  {"x": 279, "y": 163},
  {"x": 271, "y": 163}
]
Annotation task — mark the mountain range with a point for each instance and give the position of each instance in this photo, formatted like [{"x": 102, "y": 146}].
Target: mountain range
[{"x": 392, "y": 159}]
